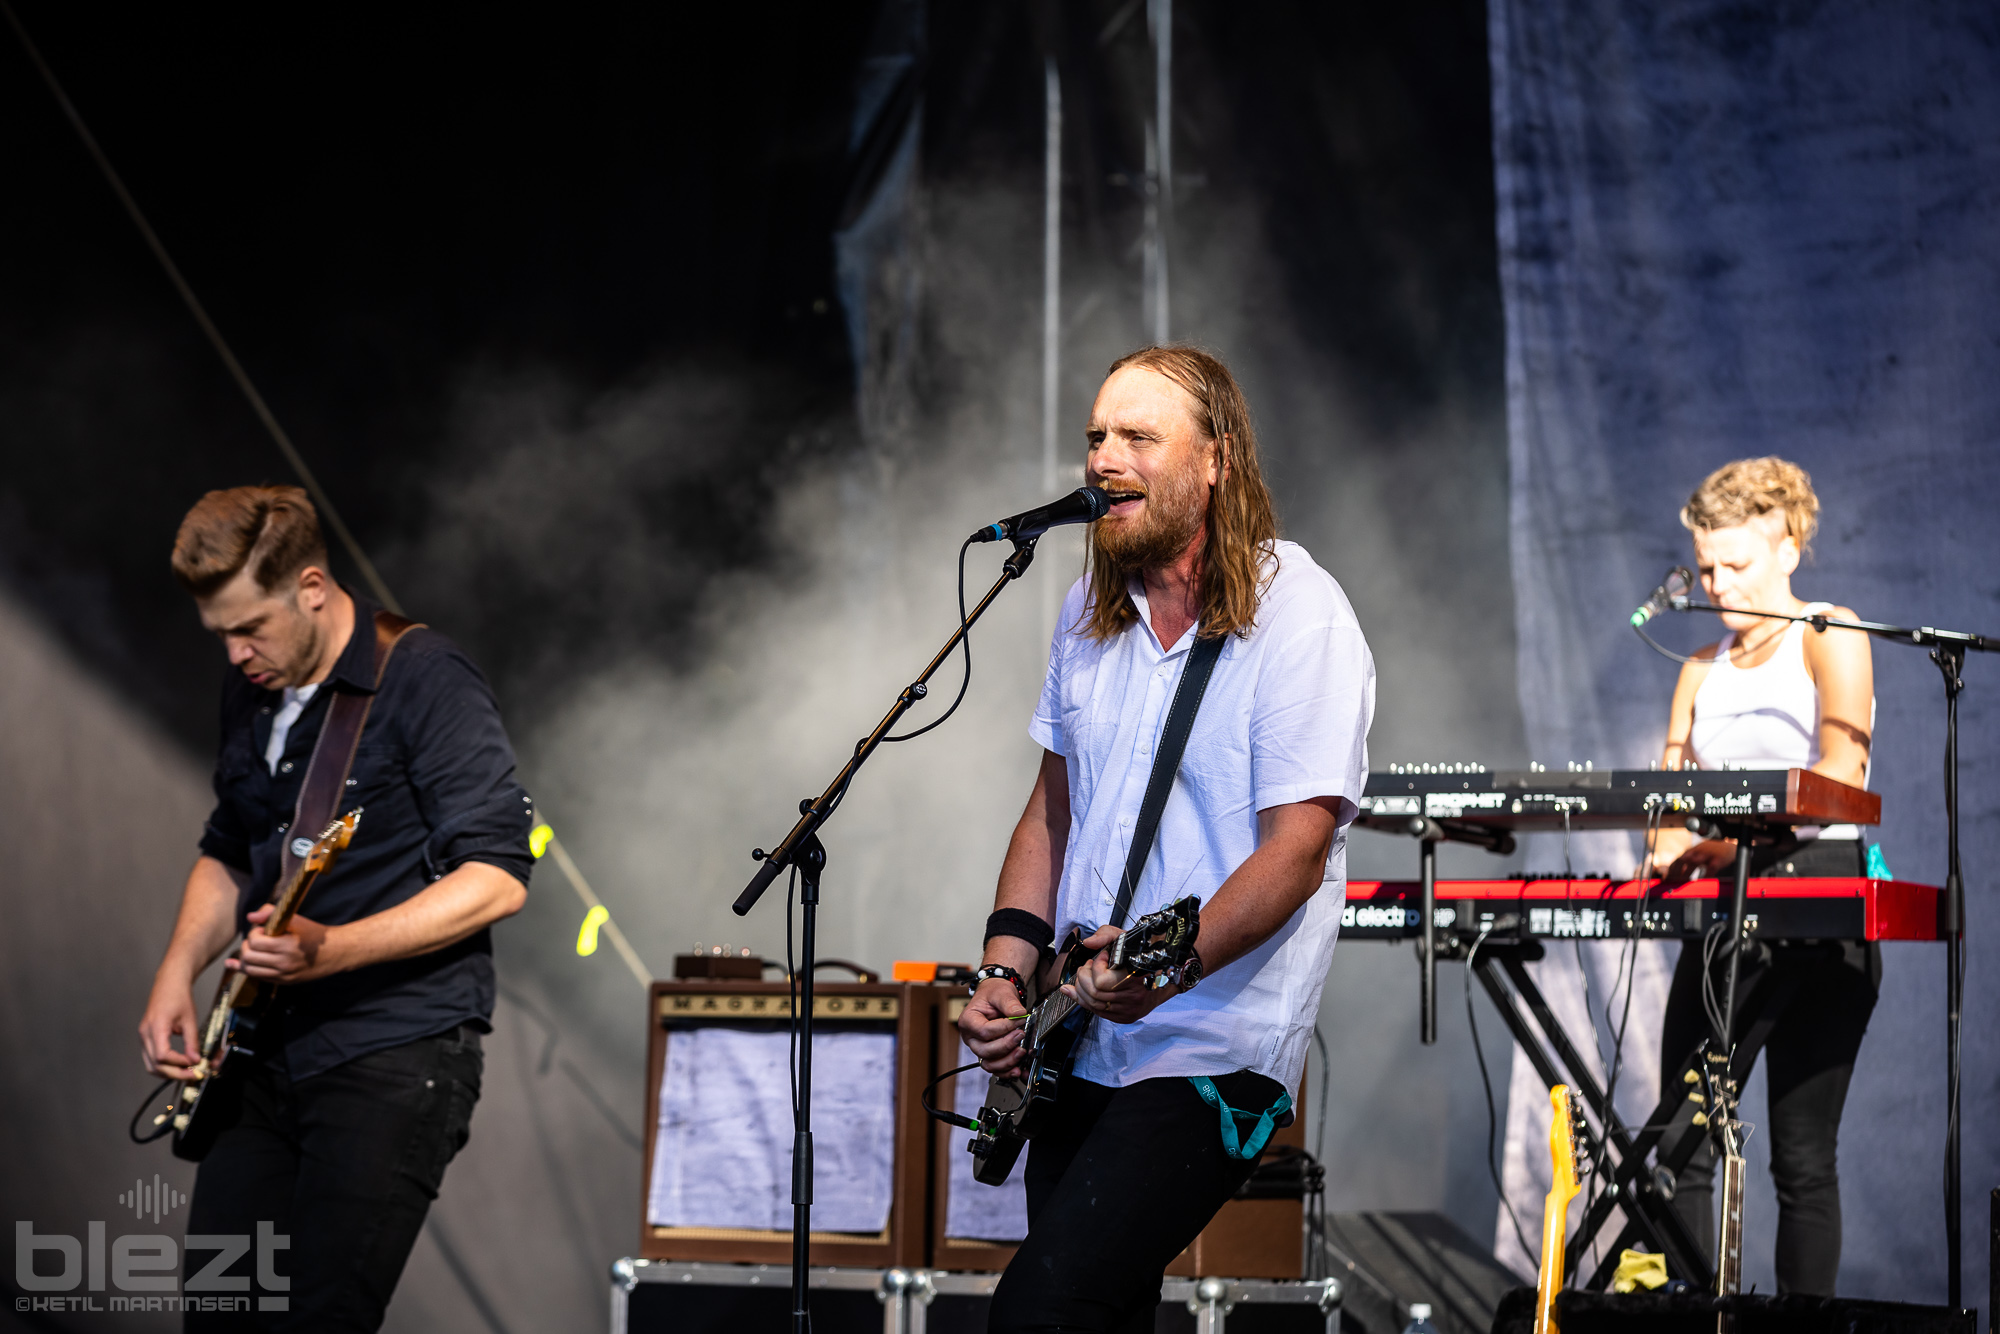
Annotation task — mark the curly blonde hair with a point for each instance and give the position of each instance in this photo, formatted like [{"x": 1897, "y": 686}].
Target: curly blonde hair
[
  {"x": 1741, "y": 491},
  {"x": 1242, "y": 524}
]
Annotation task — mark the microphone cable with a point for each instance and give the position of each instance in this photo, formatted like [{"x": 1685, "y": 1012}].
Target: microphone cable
[
  {"x": 965, "y": 642},
  {"x": 1663, "y": 650}
]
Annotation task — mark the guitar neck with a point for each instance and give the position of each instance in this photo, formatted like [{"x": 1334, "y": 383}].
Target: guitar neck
[
  {"x": 286, "y": 900},
  {"x": 1053, "y": 1009},
  {"x": 1555, "y": 1232},
  {"x": 1729, "y": 1250}
]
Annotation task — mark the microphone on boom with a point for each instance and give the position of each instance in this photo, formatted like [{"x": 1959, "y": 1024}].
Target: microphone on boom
[
  {"x": 1672, "y": 594},
  {"x": 1079, "y": 506}
]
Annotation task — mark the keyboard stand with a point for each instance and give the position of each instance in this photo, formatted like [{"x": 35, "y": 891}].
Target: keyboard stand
[{"x": 1649, "y": 1214}]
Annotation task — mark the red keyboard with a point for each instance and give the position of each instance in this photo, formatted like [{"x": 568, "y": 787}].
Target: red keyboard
[{"x": 1803, "y": 908}]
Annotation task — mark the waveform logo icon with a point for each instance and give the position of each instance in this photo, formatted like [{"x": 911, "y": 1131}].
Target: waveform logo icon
[{"x": 156, "y": 1198}]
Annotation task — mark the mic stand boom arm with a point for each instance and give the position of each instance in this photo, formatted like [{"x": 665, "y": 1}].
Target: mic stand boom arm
[
  {"x": 813, "y": 813},
  {"x": 803, "y": 849},
  {"x": 1924, "y": 637},
  {"x": 1948, "y": 649}
]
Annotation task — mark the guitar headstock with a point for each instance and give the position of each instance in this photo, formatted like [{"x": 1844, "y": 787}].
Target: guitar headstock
[
  {"x": 1159, "y": 942},
  {"x": 332, "y": 841},
  {"x": 1565, "y": 1127},
  {"x": 1718, "y": 1098}
]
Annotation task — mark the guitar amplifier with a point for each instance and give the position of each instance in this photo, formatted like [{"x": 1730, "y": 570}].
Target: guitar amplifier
[
  {"x": 1249, "y": 1238},
  {"x": 718, "y": 1111}
]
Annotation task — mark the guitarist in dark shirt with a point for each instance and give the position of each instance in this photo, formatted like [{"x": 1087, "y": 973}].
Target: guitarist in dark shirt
[{"x": 368, "y": 1064}]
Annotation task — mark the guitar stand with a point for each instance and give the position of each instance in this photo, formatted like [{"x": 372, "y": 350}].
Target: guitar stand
[{"x": 1670, "y": 1134}]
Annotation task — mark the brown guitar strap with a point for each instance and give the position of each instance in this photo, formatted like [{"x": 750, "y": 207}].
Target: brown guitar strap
[{"x": 333, "y": 753}]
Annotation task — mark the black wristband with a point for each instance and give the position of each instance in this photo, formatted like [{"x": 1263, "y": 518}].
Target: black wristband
[{"x": 1021, "y": 924}]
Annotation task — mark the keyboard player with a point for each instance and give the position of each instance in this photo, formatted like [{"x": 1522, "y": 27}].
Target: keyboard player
[{"x": 1775, "y": 695}]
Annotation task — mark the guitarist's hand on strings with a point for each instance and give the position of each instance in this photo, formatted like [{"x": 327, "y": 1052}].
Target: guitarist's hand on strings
[
  {"x": 297, "y": 956},
  {"x": 170, "y": 1011},
  {"x": 991, "y": 1026},
  {"x": 1111, "y": 994}
]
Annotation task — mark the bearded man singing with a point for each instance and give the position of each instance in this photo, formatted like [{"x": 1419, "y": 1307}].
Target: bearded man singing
[{"x": 1134, "y": 1161}]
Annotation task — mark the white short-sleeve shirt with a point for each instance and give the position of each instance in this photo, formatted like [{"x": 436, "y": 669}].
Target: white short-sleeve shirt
[{"x": 1285, "y": 719}]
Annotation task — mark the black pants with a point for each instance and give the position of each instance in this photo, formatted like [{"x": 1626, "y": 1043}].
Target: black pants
[
  {"x": 345, "y": 1164},
  {"x": 1809, "y": 1060},
  {"x": 1119, "y": 1182}
]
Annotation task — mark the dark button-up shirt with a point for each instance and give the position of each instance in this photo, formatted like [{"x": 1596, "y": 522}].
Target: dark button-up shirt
[{"x": 434, "y": 776}]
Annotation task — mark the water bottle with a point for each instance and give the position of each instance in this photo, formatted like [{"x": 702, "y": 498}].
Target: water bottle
[{"x": 1420, "y": 1319}]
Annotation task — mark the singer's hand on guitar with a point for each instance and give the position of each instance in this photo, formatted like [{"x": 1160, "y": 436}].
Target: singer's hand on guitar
[
  {"x": 991, "y": 1026},
  {"x": 299, "y": 955},
  {"x": 170, "y": 1011},
  {"x": 1112, "y": 995}
]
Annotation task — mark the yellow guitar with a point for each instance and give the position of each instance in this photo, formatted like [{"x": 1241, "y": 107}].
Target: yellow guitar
[{"x": 1555, "y": 1207}]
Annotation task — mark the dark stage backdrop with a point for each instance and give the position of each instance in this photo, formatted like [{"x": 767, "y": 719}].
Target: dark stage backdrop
[{"x": 1732, "y": 230}]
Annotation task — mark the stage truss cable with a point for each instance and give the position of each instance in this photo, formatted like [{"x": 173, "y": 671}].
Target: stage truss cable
[{"x": 321, "y": 499}]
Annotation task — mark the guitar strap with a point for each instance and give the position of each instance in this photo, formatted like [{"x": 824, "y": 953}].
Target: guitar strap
[
  {"x": 333, "y": 753},
  {"x": 1166, "y": 767}
]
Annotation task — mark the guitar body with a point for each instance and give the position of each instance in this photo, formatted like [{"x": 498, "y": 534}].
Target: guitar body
[
  {"x": 204, "y": 1106},
  {"x": 1017, "y": 1106}
]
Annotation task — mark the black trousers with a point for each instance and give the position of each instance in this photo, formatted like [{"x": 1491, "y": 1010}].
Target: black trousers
[
  {"x": 345, "y": 1164},
  {"x": 1808, "y": 1063},
  {"x": 1119, "y": 1182}
]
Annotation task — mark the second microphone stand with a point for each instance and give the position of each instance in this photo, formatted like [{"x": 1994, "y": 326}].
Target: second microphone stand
[
  {"x": 1948, "y": 649},
  {"x": 801, "y": 848}
]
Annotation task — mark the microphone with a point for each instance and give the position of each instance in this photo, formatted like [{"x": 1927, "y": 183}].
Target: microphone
[
  {"x": 1079, "y": 506},
  {"x": 1672, "y": 594}
]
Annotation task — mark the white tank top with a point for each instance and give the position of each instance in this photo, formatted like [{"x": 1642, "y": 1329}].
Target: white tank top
[{"x": 1763, "y": 717}]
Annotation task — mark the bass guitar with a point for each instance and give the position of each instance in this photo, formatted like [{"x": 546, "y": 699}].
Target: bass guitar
[
  {"x": 1153, "y": 950},
  {"x": 200, "y": 1108}
]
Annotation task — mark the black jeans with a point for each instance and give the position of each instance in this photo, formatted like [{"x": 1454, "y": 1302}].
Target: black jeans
[
  {"x": 1809, "y": 1060},
  {"x": 345, "y": 1164},
  {"x": 1119, "y": 1182}
]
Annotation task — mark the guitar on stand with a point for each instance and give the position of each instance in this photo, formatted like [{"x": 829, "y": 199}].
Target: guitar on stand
[
  {"x": 1719, "y": 1094},
  {"x": 1563, "y": 1187},
  {"x": 1153, "y": 950}
]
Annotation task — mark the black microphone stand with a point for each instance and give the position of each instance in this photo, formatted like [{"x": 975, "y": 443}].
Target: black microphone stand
[
  {"x": 1948, "y": 649},
  {"x": 802, "y": 848}
]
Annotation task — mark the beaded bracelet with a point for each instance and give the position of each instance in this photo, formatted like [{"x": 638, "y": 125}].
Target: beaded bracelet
[{"x": 1000, "y": 970}]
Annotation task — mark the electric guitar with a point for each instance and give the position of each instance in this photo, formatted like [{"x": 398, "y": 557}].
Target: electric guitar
[
  {"x": 1153, "y": 949},
  {"x": 1719, "y": 1098},
  {"x": 1555, "y": 1205},
  {"x": 198, "y": 1113}
]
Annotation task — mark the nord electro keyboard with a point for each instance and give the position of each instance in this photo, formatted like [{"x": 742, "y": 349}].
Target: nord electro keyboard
[
  {"x": 1803, "y": 908},
  {"x": 1474, "y": 798}
]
